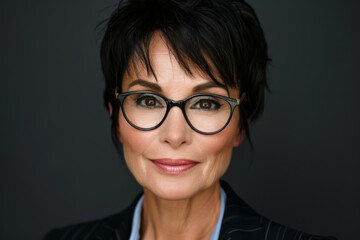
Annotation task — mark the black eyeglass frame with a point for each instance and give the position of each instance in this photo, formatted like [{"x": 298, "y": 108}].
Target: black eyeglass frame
[{"x": 181, "y": 104}]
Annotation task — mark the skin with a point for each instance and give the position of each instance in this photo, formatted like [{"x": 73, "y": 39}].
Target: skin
[{"x": 177, "y": 206}]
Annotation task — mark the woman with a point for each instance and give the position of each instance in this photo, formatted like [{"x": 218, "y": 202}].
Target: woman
[{"x": 184, "y": 79}]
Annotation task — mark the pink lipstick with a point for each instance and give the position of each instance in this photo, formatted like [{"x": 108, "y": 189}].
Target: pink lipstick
[{"x": 174, "y": 166}]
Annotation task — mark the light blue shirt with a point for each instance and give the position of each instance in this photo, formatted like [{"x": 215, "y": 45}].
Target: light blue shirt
[{"x": 135, "y": 228}]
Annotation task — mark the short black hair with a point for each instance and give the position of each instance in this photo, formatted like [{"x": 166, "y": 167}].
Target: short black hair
[{"x": 221, "y": 34}]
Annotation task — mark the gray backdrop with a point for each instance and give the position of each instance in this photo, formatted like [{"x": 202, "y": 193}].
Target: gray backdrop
[{"x": 58, "y": 164}]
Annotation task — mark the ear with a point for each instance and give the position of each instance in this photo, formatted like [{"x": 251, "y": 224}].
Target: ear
[
  {"x": 240, "y": 136},
  {"x": 118, "y": 135},
  {"x": 110, "y": 108}
]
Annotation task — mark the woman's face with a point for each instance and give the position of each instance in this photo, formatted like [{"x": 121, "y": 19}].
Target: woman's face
[{"x": 173, "y": 161}]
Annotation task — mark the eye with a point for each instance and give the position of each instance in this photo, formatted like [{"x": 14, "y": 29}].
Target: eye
[
  {"x": 149, "y": 101},
  {"x": 206, "y": 104}
]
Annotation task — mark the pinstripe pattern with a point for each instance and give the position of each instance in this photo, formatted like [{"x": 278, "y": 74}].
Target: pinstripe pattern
[
  {"x": 115, "y": 227},
  {"x": 240, "y": 222}
]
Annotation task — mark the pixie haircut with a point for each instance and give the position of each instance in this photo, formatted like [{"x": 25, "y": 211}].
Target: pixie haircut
[{"x": 221, "y": 38}]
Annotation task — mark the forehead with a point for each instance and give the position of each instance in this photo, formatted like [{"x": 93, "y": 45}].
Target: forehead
[
  {"x": 164, "y": 66},
  {"x": 161, "y": 58}
]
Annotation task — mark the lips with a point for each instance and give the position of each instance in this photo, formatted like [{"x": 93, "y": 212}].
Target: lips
[{"x": 174, "y": 166}]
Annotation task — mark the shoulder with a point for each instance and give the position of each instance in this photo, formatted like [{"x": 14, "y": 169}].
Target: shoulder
[
  {"x": 242, "y": 222},
  {"x": 97, "y": 229},
  {"x": 117, "y": 226}
]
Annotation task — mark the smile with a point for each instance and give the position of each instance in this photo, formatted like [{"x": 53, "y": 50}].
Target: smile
[{"x": 174, "y": 166}]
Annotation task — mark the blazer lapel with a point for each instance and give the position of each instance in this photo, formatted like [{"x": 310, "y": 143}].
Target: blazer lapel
[
  {"x": 118, "y": 227},
  {"x": 240, "y": 220}
]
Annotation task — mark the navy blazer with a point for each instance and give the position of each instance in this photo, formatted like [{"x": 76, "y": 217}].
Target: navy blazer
[{"x": 240, "y": 222}]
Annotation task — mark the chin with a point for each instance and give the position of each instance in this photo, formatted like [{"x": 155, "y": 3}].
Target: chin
[{"x": 179, "y": 187}]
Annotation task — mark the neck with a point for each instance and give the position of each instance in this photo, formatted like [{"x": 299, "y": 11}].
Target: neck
[{"x": 193, "y": 218}]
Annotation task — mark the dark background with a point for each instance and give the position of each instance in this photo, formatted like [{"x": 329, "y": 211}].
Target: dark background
[{"x": 58, "y": 164}]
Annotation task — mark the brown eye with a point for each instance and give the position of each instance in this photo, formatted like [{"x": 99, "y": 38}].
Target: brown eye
[
  {"x": 205, "y": 104},
  {"x": 150, "y": 102}
]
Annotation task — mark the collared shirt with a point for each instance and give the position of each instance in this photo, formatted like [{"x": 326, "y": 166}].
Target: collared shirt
[{"x": 135, "y": 228}]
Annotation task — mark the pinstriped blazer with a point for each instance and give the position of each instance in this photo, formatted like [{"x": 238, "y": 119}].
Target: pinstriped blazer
[{"x": 240, "y": 222}]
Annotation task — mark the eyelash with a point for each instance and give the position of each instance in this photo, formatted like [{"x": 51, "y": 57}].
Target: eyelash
[
  {"x": 212, "y": 101},
  {"x": 144, "y": 97}
]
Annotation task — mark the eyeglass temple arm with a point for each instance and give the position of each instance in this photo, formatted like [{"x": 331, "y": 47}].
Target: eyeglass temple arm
[
  {"x": 116, "y": 92},
  {"x": 238, "y": 101}
]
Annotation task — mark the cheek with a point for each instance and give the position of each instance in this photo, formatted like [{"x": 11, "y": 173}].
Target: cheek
[
  {"x": 218, "y": 150},
  {"x": 224, "y": 141},
  {"x": 134, "y": 142}
]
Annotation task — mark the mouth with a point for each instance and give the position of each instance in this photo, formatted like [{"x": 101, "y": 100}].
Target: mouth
[{"x": 174, "y": 166}]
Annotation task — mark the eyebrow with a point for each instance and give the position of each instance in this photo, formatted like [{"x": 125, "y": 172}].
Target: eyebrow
[
  {"x": 208, "y": 85},
  {"x": 144, "y": 83},
  {"x": 156, "y": 87}
]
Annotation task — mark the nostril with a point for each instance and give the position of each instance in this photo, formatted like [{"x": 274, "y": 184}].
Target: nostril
[{"x": 172, "y": 142}]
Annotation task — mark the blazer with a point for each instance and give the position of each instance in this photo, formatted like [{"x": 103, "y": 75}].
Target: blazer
[{"x": 240, "y": 222}]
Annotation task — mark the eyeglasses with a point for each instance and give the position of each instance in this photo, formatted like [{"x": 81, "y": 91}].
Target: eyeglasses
[{"x": 205, "y": 113}]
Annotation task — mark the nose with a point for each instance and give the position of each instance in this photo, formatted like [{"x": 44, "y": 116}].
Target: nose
[{"x": 174, "y": 130}]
